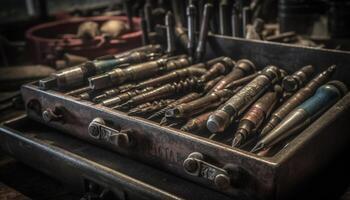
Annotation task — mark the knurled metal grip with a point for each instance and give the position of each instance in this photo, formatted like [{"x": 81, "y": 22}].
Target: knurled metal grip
[
  {"x": 196, "y": 166},
  {"x": 100, "y": 131}
]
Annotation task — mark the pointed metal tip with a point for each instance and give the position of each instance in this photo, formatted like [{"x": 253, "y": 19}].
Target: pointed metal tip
[
  {"x": 237, "y": 140},
  {"x": 163, "y": 121},
  {"x": 173, "y": 124},
  {"x": 258, "y": 147}
]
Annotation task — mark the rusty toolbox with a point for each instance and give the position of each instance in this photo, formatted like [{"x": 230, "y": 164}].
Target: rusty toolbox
[
  {"x": 209, "y": 162},
  {"x": 82, "y": 166}
]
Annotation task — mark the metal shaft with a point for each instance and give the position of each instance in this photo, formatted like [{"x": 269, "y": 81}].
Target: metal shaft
[
  {"x": 170, "y": 32},
  {"x": 148, "y": 16},
  {"x": 223, "y": 13},
  {"x": 199, "y": 105},
  {"x": 137, "y": 72},
  {"x": 187, "y": 98},
  {"x": 242, "y": 81},
  {"x": 203, "y": 34},
  {"x": 191, "y": 28},
  {"x": 121, "y": 98},
  {"x": 235, "y": 22},
  {"x": 242, "y": 68},
  {"x": 163, "y": 92}
]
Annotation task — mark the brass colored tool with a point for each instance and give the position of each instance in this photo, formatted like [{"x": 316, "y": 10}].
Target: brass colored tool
[
  {"x": 165, "y": 91},
  {"x": 254, "y": 117},
  {"x": 242, "y": 68},
  {"x": 138, "y": 72},
  {"x": 199, "y": 105},
  {"x": 222, "y": 117}
]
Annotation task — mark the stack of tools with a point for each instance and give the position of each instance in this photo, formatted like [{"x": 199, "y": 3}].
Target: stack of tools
[{"x": 221, "y": 99}]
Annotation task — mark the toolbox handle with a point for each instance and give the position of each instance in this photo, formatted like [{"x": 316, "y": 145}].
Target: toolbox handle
[
  {"x": 223, "y": 178},
  {"x": 100, "y": 131}
]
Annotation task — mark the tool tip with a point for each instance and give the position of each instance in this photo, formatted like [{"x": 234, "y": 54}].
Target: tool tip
[
  {"x": 258, "y": 147},
  {"x": 237, "y": 140}
]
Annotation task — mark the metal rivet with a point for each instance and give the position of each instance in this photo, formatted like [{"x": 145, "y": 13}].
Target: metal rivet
[
  {"x": 222, "y": 181},
  {"x": 190, "y": 165}
]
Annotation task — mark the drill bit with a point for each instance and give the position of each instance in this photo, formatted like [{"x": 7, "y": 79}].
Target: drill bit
[
  {"x": 170, "y": 31},
  {"x": 163, "y": 92},
  {"x": 187, "y": 98},
  {"x": 299, "y": 97},
  {"x": 171, "y": 77},
  {"x": 191, "y": 28},
  {"x": 137, "y": 72},
  {"x": 199, "y": 105},
  {"x": 242, "y": 68},
  {"x": 203, "y": 34},
  {"x": 325, "y": 96},
  {"x": 147, "y": 108},
  {"x": 254, "y": 117},
  {"x": 112, "y": 92},
  {"x": 121, "y": 98},
  {"x": 242, "y": 81},
  {"x": 298, "y": 79},
  {"x": 221, "y": 118},
  {"x": 217, "y": 69},
  {"x": 197, "y": 124}
]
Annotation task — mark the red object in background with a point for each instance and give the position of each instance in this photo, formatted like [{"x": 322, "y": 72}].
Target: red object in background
[{"x": 47, "y": 44}]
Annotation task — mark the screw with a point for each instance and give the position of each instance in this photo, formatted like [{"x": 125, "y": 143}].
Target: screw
[
  {"x": 94, "y": 131},
  {"x": 190, "y": 165},
  {"x": 222, "y": 181}
]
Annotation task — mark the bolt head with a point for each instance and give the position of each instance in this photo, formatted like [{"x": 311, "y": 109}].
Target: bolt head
[
  {"x": 94, "y": 131},
  {"x": 47, "y": 116},
  {"x": 222, "y": 181},
  {"x": 190, "y": 165}
]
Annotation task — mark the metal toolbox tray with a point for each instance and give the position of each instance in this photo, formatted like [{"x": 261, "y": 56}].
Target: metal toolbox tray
[
  {"x": 78, "y": 164},
  {"x": 249, "y": 175}
]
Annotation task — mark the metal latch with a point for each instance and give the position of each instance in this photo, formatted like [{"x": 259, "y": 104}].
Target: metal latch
[
  {"x": 100, "y": 131},
  {"x": 222, "y": 177}
]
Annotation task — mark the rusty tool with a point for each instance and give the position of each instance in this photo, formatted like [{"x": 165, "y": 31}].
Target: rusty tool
[
  {"x": 165, "y": 91},
  {"x": 299, "y": 97},
  {"x": 242, "y": 68},
  {"x": 138, "y": 72},
  {"x": 121, "y": 98},
  {"x": 197, "y": 124},
  {"x": 187, "y": 98},
  {"x": 199, "y": 105},
  {"x": 254, "y": 117},
  {"x": 221, "y": 118},
  {"x": 325, "y": 96},
  {"x": 220, "y": 68}
]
